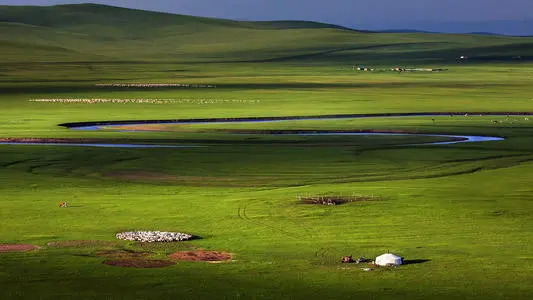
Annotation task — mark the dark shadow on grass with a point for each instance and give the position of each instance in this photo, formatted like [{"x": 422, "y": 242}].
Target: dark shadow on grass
[
  {"x": 318, "y": 54},
  {"x": 193, "y": 238},
  {"x": 52, "y": 80},
  {"x": 415, "y": 261},
  {"x": 175, "y": 70},
  {"x": 281, "y": 118},
  {"x": 359, "y": 85},
  {"x": 82, "y": 255},
  {"x": 65, "y": 88}
]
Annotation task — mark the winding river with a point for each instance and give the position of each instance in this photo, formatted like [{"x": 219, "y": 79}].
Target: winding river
[{"x": 122, "y": 126}]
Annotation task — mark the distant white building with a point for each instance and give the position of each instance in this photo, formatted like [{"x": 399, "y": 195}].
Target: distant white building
[{"x": 388, "y": 259}]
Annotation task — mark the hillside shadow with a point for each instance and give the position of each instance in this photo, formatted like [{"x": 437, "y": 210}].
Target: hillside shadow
[
  {"x": 434, "y": 52},
  {"x": 324, "y": 53}
]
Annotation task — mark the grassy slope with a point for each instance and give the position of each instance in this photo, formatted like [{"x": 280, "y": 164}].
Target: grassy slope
[
  {"x": 469, "y": 213},
  {"x": 92, "y": 31}
]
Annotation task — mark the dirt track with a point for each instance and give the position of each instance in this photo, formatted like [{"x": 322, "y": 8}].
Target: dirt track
[{"x": 17, "y": 247}]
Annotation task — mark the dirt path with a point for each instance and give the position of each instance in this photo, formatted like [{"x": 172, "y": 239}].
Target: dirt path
[{"x": 17, "y": 248}]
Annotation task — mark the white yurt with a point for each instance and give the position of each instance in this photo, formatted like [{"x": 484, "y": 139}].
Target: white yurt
[{"x": 388, "y": 259}]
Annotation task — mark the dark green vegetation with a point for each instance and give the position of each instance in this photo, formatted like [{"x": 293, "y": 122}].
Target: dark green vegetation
[{"x": 462, "y": 213}]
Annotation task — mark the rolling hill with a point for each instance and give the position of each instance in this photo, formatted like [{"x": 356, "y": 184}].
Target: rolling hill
[
  {"x": 499, "y": 27},
  {"x": 90, "y": 32}
]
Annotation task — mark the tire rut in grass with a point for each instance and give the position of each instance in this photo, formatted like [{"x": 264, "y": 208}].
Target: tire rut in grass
[
  {"x": 486, "y": 158},
  {"x": 470, "y": 170},
  {"x": 243, "y": 215},
  {"x": 127, "y": 159},
  {"x": 17, "y": 162},
  {"x": 81, "y": 244},
  {"x": 32, "y": 169}
]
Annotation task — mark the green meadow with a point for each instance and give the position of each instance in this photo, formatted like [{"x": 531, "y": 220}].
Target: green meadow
[{"x": 460, "y": 214}]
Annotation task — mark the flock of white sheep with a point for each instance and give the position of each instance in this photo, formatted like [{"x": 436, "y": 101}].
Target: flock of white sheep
[
  {"x": 143, "y": 101},
  {"x": 154, "y": 85}
]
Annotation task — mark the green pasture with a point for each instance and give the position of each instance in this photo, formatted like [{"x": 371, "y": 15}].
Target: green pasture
[{"x": 461, "y": 214}]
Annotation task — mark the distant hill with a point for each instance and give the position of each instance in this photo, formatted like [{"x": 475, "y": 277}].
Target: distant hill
[
  {"x": 80, "y": 15},
  {"x": 422, "y": 31},
  {"x": 90, "y": 32},
  {"x": 485, "y": 33},
  {"x": 404, "y": 31},
  {"x": 498, "y": 27}
]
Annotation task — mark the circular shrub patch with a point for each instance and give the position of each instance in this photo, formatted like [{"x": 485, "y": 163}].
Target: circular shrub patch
[{"x": 201, "y": 255}]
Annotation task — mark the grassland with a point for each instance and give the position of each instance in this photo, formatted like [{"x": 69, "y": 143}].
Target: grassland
[
  {"x": 463, "y": 212},
  {"x": 99, "y": 34}
]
